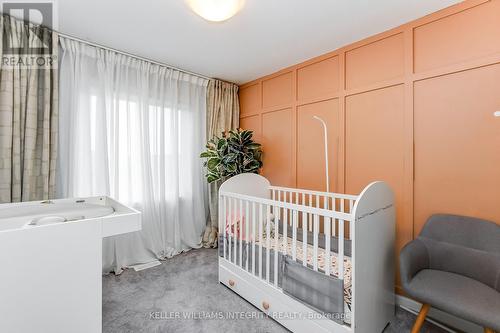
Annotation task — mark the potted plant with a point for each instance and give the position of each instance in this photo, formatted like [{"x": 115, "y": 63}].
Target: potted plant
[{"x": 232, "y": 153}]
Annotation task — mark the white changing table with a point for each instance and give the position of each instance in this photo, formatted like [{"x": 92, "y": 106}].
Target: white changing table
[{"x": 51, "y": 262}]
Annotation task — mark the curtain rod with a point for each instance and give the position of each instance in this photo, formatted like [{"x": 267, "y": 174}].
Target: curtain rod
[{"x": 131, "y": 55}]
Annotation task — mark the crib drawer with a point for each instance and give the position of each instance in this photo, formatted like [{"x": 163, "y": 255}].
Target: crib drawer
[
  {"x": 242, "y": 287},
  {"x": 287, "y": 311}
]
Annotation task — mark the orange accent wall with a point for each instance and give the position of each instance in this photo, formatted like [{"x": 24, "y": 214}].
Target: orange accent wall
[{"x": 412, "y": 106}]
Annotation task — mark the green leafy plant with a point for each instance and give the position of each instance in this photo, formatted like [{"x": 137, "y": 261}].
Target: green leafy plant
[{"x": 231, "y": 154}]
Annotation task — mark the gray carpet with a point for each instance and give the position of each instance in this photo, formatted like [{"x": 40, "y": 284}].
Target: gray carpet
[{"x": 162, "y": 299}]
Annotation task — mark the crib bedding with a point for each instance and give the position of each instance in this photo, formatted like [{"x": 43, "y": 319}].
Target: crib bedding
[{"x": 334, "y": 267}]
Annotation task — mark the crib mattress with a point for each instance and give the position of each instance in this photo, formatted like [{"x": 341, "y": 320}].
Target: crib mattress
[{"x": 334, "y": 269}]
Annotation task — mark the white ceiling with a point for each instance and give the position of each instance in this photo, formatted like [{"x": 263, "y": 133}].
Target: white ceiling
[{"x": 265, "y": 36}]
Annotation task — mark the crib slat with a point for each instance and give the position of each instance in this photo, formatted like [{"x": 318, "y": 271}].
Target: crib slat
[
  {"x": 261, "y": 229},
  {"x": 247, "y": 222},
  {"x": 276, "y": 244},
  {"x": 334, "y": 227},
  {"x": 294, "y": 234},
  {"x": 240, "y": 228},
  {"x": 222, "y": 226},
  {"x": 235, "y": 232},
  {"x": 304, "y": 238},
  {"x": 230, "y": 213},
  {"x": 310, "y": 215},
  {"x": 315, "y": 241},
  {"x": 340, "y": 259},
  {"x": 285, "y": 230},
  {"x": 328, "y": 261},
  {"x": 254, "y": 226},
  {"x": 268, "y": 240},
  {"x": 285, "y": 210},
  {"x": 334, "y": 207}
]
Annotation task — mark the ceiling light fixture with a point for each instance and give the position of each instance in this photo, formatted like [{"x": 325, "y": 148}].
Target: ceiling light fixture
[{"x": 216, "y": 10}]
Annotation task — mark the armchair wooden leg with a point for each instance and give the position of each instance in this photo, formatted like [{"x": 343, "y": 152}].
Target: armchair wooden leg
[
  {"x": 488, "y": 330},
  {"x": 421, "y": 318}
]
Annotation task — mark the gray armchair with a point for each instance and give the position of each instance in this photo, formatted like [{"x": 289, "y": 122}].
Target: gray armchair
[{"x": 454, "y": 266}]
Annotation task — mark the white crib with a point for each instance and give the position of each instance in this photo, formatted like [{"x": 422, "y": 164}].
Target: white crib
[{"x": 338, "y": 240}]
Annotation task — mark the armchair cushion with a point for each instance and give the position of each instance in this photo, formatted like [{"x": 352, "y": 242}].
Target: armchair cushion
[{"x": 458, "y": 295}]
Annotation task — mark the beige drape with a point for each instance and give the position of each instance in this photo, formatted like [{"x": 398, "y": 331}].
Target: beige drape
[
  {"x": 223, "y": 113},
  {"x": 28, "y": 112}
]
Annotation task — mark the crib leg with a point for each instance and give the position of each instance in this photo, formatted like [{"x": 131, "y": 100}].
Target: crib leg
[{"x": 420, "y": 318}]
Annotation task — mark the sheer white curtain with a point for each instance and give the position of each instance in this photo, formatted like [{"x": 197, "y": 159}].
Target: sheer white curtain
[{"x": 134, "y": 130}]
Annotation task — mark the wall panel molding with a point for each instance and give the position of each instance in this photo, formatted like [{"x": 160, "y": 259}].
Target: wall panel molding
[
  {"x": 277, "y": 91},
  {"x": 445, "y": 42},
  {"x": 277, "y": 140},
  {"x": 380, "y": 60},
  {"x": 309, "y": 136},
  {"x": 318, "y": 79},
  {"x": 250, "y": 99},
  {"x": 429, "y": 48}
]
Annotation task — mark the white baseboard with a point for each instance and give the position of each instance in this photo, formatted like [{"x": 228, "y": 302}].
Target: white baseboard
[{"x": 439, "y": 318}]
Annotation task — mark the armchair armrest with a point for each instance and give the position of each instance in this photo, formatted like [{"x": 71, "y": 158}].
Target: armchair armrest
[{"x": 413, "y": 258}]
